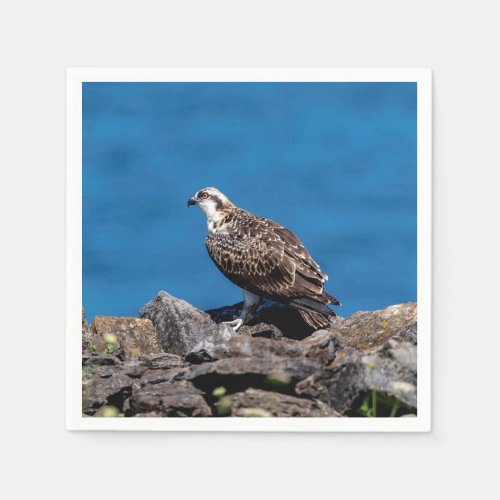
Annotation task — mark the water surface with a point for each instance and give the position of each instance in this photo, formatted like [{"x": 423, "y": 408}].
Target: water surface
[{"x": 334, "y": 162}]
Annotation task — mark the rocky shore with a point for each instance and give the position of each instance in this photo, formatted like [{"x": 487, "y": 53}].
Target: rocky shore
[{"x": 177, "y": 361}]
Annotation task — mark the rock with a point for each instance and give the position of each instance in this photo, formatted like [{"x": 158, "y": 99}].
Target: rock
[
  {"x": 293, "y": 368},
  {"x": 318, "y": 349},
  {"x": 151, "y": 377},
  {"x": 390, "y": 369},
  {"x": 163, "y": 361},
  {"x": 245, "y": 363},
  {"x": 371, "y": 329},
  {"x": 321, "y": 347},
  {"x": 102, "y": 360},
  {"x": 84, "y": 323},
  {"x": 243, "y": 346},
  {"x": 104, "y": 385},
  {"x": 126, "y": 337},
  {"x": 168, "y": 399},
  {"x": 253, "y": 412},
  {"x": 364, "y": 352},
  {"x": 177, "y": 361},
  {"x": 181, "y": 327},
  {"x": 243, "y": 404},
  {"x": 163, "y": 369},
  {"x": 251, "y": 362},
  {"x": 238, "y": 374},
  {"x": 135, "y": 368},
  {"x": 408, "y": 334},
  {"x": 265, "y": 330}
]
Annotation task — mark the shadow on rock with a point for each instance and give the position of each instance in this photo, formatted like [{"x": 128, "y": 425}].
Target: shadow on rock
[{"x": 271, "y": 320}]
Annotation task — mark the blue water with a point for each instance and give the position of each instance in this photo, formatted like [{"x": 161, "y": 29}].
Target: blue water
[{"x": 334, "y": 162}]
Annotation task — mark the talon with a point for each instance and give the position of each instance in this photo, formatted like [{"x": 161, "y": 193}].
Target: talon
[{"x": 235, "y": 324}]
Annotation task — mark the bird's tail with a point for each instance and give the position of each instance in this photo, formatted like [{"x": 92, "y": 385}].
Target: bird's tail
[
  {"x": 316, "y": 320},
  {"x": 331, "y": 299},
  {"x": 315, "y": 310}
]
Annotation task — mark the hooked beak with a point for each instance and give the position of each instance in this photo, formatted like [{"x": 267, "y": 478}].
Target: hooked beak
[{"x": 192, "y": 201}]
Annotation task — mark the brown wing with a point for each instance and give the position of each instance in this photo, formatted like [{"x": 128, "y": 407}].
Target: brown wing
[{"x": 265, "y": 258}]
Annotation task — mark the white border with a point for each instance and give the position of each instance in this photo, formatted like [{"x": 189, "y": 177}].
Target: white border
[{"x": 75, "y": 77}]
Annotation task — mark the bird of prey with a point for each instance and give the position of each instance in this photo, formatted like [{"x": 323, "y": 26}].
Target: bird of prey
[{"x": 263, "y": 258}]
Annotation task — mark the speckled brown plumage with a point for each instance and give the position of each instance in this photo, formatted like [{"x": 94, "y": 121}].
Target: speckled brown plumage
[{"x": 265, "y": 258}]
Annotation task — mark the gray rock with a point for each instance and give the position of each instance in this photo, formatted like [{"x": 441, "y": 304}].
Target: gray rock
[
  {"x": 250, "y": 402},
  {"x": 151, "y": 377},
  {"x": 237, "y": 374},
  {"x": 365, "y": 352},
  {"x": 181, "y": 327},
  {"x": 244, "y": 346},
  {"x": 265, "y": 330},
  {"x": 135, "y": 368},
  {"x": 163, "y": 361},
  {"x": 321, "y": 347},
  {"x": 263, "y": 370},
  {"x": 408, "y": 334},
  {"x": 318, "y": 349},
  {"x": 390, "y": 369},
  {"x": 104, "y": 385},
  {"x": 102, "y": 360},
  {"x": 168, "y": 399}
]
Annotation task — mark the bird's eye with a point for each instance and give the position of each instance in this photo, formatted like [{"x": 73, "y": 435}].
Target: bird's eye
[{"x": 204, "y": 196}]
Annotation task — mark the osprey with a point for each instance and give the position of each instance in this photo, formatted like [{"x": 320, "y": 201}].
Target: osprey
[{"x": 265, "y": 259}]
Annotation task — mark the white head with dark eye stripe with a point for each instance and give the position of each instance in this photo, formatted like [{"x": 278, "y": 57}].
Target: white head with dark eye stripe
[{"x": 212, "y": 202}]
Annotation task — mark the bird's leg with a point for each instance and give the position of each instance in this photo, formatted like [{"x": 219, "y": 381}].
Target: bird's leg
[
  {"x": 251, "y": 302},
  {"x": 235, "y": 324}
]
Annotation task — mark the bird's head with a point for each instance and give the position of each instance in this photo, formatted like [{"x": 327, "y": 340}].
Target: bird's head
[{"x": 212, "y": 202}]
